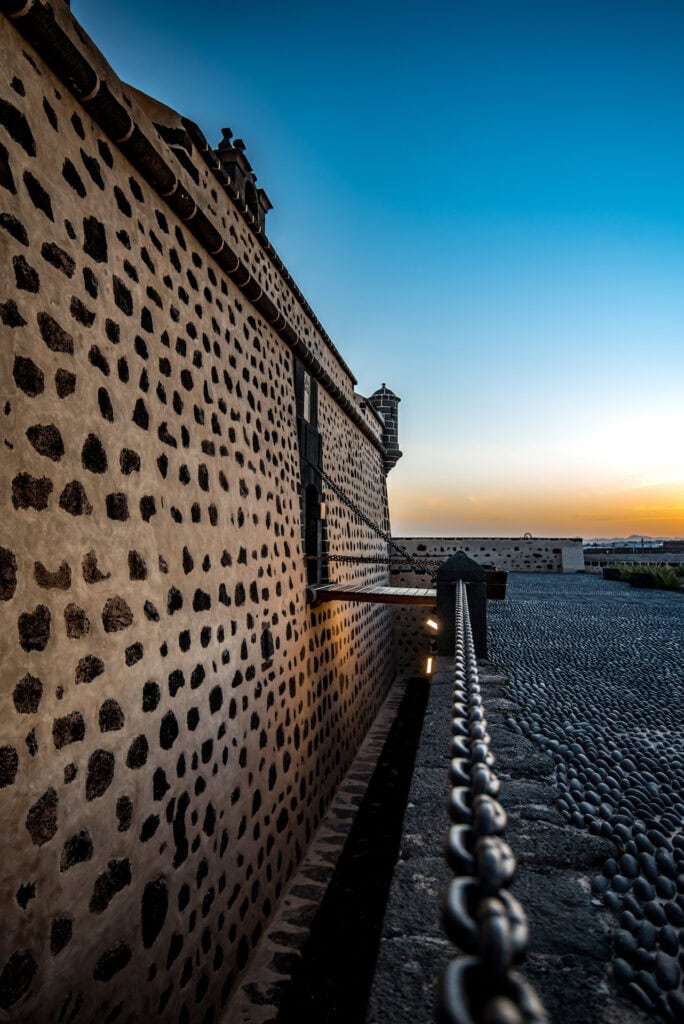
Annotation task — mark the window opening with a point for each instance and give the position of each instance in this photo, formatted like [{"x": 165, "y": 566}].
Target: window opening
[{"x": 306, "y": 397}]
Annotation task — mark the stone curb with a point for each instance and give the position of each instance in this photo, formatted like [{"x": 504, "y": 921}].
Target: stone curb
[{"x": 259, "y": 993}]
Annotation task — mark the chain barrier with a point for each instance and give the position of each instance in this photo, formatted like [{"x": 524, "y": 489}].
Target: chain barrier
[
  {"x": 396, "y": 563},
  {"x": 384, "y": 534},
  {"x": 480, "y": 916}
]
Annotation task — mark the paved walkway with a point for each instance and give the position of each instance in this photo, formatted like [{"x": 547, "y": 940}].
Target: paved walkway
[
  {"x": 596, "y": 680},
  {"x": 584, "y": 704}
]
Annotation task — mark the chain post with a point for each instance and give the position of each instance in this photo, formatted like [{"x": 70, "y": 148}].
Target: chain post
[{"x": 460, "y": 568}]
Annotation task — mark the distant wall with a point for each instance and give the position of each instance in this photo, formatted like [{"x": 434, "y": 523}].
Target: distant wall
[
  {"x": 596, "y": 563},
  {"x": 513, "y": 554},
  {"x": 174, "y": 718}
]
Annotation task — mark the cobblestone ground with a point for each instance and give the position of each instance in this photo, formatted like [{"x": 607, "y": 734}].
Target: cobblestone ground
[{"x": 596, "y": 668}]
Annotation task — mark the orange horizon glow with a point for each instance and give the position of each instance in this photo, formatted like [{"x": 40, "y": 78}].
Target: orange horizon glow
[
  {"x": 588, "y": 470},
  {"x": 655, "y": 510}
]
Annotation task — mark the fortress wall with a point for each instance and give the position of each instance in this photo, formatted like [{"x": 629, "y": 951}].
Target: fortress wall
[
  {"x": 513, "y": 554},
  {"x": 173, "y": 718},
  {"x": 359, "y": 472}
]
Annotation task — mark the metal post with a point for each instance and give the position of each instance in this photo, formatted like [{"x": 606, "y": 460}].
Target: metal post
[{"x": 461, "y": 567}]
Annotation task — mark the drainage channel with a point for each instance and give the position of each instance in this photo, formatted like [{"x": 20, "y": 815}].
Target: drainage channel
[{"x": 333, "y": 979}]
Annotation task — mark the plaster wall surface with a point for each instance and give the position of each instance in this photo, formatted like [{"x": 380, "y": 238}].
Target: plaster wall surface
[{"x": 174, "y": 719}]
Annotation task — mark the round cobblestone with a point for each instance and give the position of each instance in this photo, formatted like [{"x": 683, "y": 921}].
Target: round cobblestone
[{"x": 596, "y": 669}]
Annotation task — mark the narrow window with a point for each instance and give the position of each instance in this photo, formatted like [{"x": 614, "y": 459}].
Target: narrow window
[{"x": 306, "y": 405}]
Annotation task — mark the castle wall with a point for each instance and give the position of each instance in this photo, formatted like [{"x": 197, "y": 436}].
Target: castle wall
[
  {"x": 174, "y": 718},
  {"x": 512, "y": 554}
]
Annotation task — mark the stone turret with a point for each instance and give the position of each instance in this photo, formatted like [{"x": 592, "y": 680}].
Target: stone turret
[
  {"x": 231, "y": 155},
  {"x": 386, "y": 404}
]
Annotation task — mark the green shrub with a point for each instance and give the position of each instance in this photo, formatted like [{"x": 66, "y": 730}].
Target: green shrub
[
  {"x": 665, "y": 576},
  {"x": 625, "y": 569}
]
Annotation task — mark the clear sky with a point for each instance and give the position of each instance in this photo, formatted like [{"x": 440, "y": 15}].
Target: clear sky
[{"x": 483, "y": 202}]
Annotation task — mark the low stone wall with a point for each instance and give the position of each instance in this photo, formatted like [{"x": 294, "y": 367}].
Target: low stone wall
[{"x": 515, "y": 554}]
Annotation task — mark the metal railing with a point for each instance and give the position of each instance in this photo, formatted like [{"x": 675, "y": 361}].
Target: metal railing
[{"x": 481, "y": 917}]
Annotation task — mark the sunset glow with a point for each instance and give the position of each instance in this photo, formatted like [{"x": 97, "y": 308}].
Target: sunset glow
[
  {"x": 648, "y": 511},
  {"x": 620, "y": 478}
]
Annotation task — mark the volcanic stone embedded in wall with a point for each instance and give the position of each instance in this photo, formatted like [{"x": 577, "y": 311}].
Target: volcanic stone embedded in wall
[{"x": 27, "y": 694}]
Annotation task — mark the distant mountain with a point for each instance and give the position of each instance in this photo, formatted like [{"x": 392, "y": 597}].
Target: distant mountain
[{"x": 632, "y": 539}]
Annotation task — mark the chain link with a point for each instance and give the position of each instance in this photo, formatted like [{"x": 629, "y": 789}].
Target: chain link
[
  {"x": 406, "y": 556},
  {"x": 480, "y": 915}
]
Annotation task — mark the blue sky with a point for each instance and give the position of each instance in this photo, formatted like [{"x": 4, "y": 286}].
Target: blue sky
[{"x": 484, "y": 204}]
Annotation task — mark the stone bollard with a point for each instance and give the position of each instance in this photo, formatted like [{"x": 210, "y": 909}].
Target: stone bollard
[{"x": 460, "y": 567}]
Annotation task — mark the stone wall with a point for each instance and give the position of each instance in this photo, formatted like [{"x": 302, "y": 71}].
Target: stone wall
[
  {"x": 174, "y": 718},
  {"x": 513, "y": 554}
]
